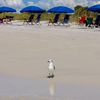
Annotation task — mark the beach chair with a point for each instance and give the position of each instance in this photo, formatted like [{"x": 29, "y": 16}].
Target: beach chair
[
  {"x": 30, "y": 20},
  {"x": 97, "y": 21},
  {"x": 38, "y": 19},
  {"x": 66, "y": 20},
  {"x": 1, "y": 20},
  {"x": 55, "y": 20},
  {"x": 89, "y": 22},
  {"x": 9, "y": 19}
]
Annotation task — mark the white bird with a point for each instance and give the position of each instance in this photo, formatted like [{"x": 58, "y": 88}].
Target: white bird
[{"x": 51, "y": 68}]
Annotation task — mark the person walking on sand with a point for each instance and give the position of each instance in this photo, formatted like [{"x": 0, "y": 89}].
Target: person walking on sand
[{"x": 51, "y": 68}]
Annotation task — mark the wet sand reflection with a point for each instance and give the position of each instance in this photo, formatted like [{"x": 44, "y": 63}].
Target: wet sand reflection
[{"x": 52, "y": 88}]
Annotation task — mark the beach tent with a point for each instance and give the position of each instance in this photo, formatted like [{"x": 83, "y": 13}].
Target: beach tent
[
  {"x": 32, "y": 9},
  {"x": 6, "y": 9},
  {"x": 60, "y": 9},
  {"x": 95, "y": 8}
]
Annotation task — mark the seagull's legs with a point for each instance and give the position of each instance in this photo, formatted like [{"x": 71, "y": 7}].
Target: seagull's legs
[{"x": 49, "y": 74}]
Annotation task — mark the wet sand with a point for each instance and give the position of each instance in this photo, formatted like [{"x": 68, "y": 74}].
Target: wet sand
[
  {"x": 12, "y": 88},
  {"x": 24, "y": 51}
]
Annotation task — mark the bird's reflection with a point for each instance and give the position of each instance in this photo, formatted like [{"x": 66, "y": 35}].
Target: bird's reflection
[{"x": 52, "y": 88}]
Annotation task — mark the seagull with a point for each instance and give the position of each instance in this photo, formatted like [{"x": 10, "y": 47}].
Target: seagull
[{"x": 51, "y": 68}]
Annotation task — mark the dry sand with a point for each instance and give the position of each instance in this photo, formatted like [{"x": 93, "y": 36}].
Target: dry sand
[{"x": 24, "y": 51}]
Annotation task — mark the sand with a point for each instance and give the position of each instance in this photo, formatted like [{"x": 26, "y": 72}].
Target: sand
[{"x": 24, "y": 51}]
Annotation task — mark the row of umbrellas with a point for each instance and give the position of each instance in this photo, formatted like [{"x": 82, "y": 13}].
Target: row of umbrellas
[
  {"x": 35, "y": 9},
  {"x": 58, "y": 9}
]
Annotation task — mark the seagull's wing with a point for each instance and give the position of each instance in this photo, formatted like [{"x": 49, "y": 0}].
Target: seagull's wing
[{"x": 54, "y": 67}]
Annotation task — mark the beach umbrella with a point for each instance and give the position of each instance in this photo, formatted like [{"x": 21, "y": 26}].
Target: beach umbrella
[
  {"x": 6, "y": 9},
  {"x": 95, "y": 8},
  {"x": 60, "y": 9},
  {"x": 32, "y": 9}
]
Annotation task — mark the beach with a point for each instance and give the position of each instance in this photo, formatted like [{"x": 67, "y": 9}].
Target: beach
[{"x": 25, "y": 50}]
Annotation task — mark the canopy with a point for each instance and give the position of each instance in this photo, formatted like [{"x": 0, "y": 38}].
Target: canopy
[
  {"x": 32, "y": 9},
  {"x": 6, "y": 9},
  {"x": 95, "y": 8},
  {"x": 60, "y": 9}
]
